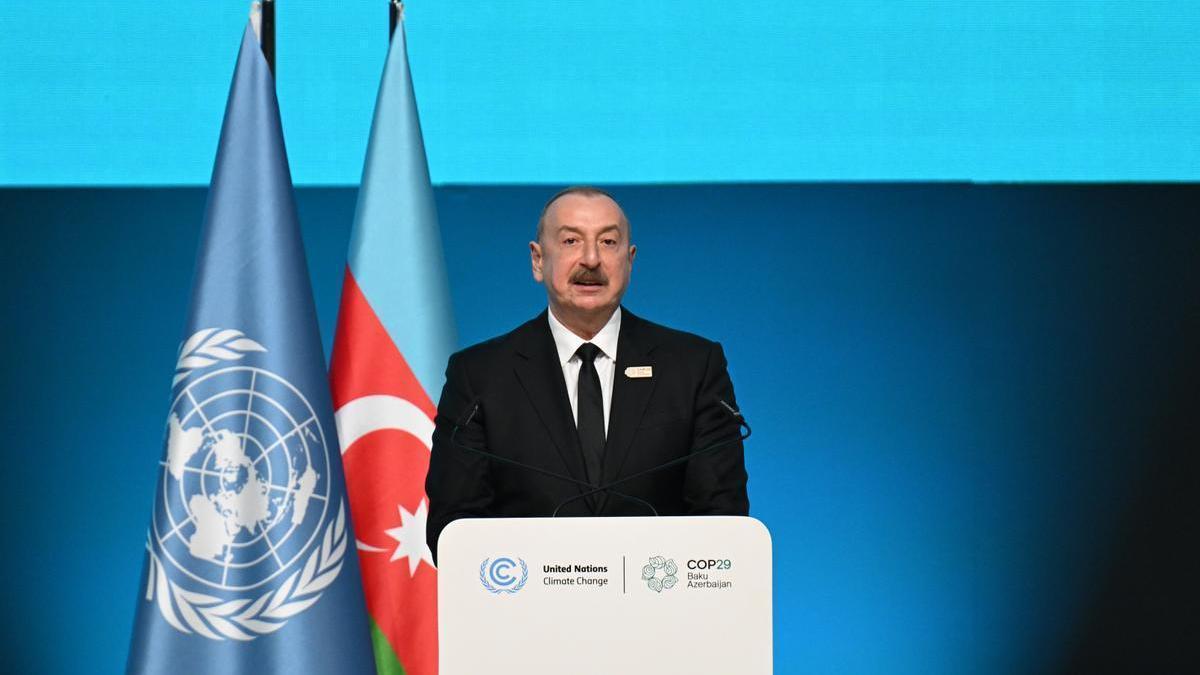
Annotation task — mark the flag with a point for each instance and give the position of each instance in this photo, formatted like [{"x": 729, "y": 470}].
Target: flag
[
  {"x": 250, "y": 565},
  {"x": 395, "y": 332}
]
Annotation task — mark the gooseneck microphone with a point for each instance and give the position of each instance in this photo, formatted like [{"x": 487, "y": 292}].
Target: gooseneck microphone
[
  {"x": 608, "y": 487},
  {"x": 536, "y": 469}
]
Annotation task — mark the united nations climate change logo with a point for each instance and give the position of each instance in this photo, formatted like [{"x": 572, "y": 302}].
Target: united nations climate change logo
[
  {"x": 499, "y": 575},
  {"x": 659, "y": 574},
  {"x": 243, "y": 535}
]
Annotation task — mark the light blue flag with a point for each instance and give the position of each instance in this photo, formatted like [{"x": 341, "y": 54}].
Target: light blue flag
[
  {"x": 396, "y": 246},
  {"x": 251, "y": 564}
]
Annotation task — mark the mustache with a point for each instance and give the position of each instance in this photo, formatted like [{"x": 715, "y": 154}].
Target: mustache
[{"x": 587, "y": 276}]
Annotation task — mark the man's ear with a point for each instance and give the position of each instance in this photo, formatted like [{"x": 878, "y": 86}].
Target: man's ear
[
  {"x": 535, "y": 260},
  {"x": 632, "y": 252}
]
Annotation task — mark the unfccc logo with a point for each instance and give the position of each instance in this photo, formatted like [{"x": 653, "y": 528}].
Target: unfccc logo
[{"x": 499, "y": 575}]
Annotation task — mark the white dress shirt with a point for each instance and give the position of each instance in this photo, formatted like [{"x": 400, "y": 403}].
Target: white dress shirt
[{"x": 606, "y": 361}]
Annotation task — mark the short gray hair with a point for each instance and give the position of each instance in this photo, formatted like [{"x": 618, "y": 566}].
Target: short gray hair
[{"x": 583, "y": 191}]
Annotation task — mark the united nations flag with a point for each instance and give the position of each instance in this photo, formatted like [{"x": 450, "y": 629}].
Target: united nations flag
[{"x": 250, "y": 561}]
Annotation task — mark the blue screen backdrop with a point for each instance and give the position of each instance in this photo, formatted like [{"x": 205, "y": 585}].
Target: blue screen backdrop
[
  {"x": 974, "y": 403},
  {"x": 132, "y": 92},
  {"x": 971, "y": 404}
]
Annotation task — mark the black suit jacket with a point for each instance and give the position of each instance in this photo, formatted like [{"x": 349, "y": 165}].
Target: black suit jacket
[{"x": 523, "y": 413}]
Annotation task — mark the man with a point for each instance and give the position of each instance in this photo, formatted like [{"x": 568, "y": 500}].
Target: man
[{"x": 585, "y": 391}]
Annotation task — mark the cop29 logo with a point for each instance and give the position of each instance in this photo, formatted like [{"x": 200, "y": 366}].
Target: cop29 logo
[
  {"x": 659, "y": 574},
  {"x": 500, "y": 575}
]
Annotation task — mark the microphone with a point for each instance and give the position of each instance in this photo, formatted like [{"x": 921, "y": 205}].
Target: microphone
[
  {"x": 736, "y": 414},
  {"x": 535, "y": 469}
]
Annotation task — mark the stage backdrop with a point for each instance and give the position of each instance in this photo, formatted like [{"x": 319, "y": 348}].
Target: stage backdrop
[
  {"x": 525, "y": 91},
  {"x": 971, "y": 404}
]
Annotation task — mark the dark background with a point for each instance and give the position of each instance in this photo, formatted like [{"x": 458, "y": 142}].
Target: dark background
[{"x": 975, "y": 406}]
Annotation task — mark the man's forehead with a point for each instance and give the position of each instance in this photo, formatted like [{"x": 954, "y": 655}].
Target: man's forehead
[
  {"x": 576, "y": 211},
  {"x": 584, "y": 225}
]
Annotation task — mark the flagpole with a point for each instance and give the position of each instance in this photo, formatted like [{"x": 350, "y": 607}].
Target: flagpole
[
  {"x": 395, "y": 13},
  {"x": 267, "y": 38}
]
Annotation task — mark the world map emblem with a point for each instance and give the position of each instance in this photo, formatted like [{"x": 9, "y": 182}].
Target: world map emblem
[{"x": 244, "y": 533}]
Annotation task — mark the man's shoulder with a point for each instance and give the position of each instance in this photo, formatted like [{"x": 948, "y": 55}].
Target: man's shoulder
[
  {"x": 656, "y": 336},
  {"x": 499, "y": 346}
]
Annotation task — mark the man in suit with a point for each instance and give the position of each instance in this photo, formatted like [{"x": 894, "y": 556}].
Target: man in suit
[{"x": 586, "y": 391}]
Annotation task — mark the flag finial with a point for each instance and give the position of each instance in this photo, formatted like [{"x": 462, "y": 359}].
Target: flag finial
[
  {"x": 262, "y": 20},
  {"x": 256, "y": 19},
  {"x": 395, "y": 16}
]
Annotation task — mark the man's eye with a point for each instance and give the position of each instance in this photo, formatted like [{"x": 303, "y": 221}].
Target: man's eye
[
  {"x": 570, "y": 240},
  {"x": 609, "y": 242}
]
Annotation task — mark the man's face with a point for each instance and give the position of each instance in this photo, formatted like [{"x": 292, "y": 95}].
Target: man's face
[{"x": 583, "y": 256}]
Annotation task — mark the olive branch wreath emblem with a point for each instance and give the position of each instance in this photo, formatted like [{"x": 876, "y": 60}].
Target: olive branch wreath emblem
[
  {"x": 241, "y": 618},
  {"x": 500, "y": 589},
  {"x": 210, "y": 345}
]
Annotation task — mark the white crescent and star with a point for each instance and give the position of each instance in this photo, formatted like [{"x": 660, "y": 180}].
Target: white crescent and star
[{"x": 367, "y": 414}]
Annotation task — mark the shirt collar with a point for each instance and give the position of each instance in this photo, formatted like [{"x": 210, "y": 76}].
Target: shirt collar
[{"x": 567, "y": 342}]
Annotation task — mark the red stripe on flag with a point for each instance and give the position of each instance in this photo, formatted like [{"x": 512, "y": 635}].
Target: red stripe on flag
[
  {"x": 365, "y": 360},
  {"x": 385, "y": 478}
]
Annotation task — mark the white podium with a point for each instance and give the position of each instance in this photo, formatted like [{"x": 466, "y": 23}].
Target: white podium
[{"x": 605, "y": 595}]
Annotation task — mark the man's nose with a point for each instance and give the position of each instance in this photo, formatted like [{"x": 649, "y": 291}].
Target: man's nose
[{"x": 591, "y": 255}]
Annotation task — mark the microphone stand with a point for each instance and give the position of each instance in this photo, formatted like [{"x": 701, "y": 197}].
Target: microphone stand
[
  {"x": 537, "y": 469},
  {"x": 678, "y": 460}
]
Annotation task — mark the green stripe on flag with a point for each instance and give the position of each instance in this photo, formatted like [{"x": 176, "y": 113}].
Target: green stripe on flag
[{"x": 386, "y": 662}]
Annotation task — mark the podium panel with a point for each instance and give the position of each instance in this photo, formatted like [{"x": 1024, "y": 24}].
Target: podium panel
[{"x": 605, "y": 595}]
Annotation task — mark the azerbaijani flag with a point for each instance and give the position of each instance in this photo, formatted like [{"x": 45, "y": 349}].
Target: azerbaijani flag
[{"x": 394, "y": 334}]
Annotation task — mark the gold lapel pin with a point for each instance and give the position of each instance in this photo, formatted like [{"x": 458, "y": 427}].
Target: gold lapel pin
[{"x": 636, "y": 372}]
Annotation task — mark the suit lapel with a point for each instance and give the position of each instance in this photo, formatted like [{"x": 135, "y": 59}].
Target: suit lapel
[
  {"x": 537, "y": 368},
  {"x": 629, "y": 399}
]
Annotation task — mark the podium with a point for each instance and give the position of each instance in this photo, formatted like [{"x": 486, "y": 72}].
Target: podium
[{"x": 605, "y": 595}]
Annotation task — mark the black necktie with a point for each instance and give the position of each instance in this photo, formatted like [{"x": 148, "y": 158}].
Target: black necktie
[{"x": 591, "y": 411}]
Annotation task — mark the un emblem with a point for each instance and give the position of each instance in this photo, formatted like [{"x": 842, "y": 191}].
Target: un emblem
[
  {"x": 499, "y": 575},
  {"x": 243, "y": 534}
]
